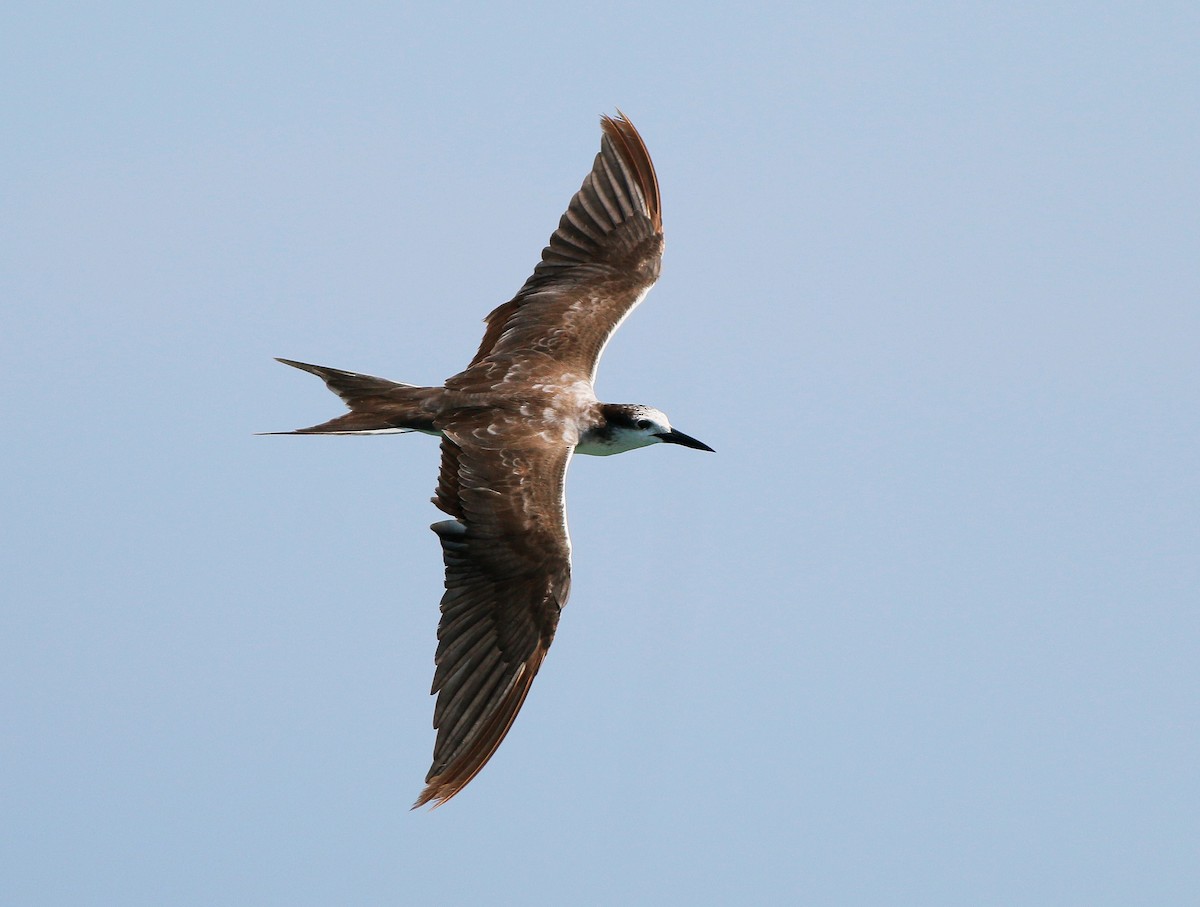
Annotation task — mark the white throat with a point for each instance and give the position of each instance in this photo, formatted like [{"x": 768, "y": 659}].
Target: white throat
[{"x": 614, "y": 441}]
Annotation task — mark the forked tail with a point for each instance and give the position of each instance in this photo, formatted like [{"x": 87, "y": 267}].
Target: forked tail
[{"x": 377, "y": 406}]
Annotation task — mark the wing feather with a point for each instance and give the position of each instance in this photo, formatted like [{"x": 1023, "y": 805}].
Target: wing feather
[
  {"x": 604, "y": 256},
  {"x": 508, "y": 562},
  {"x": 506, "y": 548}
]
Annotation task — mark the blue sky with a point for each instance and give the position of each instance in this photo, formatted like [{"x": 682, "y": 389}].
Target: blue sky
[{"x": 923, "y": 631}]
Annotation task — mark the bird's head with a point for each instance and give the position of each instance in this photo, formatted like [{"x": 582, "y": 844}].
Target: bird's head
[{"x": 629, "y": 426}]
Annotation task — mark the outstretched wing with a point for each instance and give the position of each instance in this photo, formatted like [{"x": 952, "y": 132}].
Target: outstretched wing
[
  {"x": 601, "y": 261},
  {"x": 508, "y": 568}
]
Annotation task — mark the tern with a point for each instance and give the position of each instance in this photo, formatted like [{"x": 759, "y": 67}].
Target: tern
[{"x": 509, "y": 424}]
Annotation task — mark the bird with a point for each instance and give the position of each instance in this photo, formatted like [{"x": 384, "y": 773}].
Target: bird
[{"x": 509, "y": 424}]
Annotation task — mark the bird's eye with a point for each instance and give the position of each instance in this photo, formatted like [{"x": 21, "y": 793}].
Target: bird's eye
[{"x": 643, "y": 424}]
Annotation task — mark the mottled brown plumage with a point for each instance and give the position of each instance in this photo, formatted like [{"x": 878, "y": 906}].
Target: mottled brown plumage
[{"x": 509, "y": 424}]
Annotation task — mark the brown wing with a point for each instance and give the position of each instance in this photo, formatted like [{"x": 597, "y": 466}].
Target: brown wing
[
  {"x": 601, "y": 260},
  {"x": 508, "y": 568}
]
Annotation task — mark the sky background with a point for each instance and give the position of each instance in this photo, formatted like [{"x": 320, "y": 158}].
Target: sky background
[{"x": 923, "y": 631}]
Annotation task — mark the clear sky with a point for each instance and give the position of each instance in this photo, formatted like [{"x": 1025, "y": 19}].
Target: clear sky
[{"x": 923, "y": 631}]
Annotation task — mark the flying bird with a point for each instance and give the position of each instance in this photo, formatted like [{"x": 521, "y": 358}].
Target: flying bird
[{"x": 509, "y": 424}]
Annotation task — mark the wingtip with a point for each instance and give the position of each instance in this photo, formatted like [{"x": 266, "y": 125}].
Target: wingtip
[
  {"x": 621, "y": 132},
  {"x": 620, "y": 117},
  {"x": 434, "y": 795}
]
